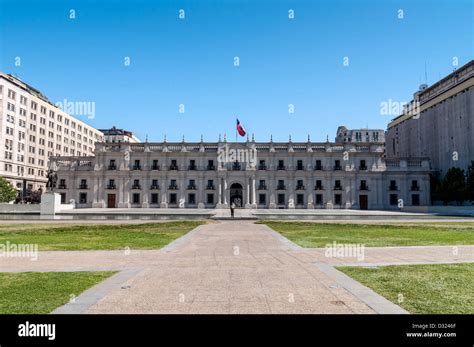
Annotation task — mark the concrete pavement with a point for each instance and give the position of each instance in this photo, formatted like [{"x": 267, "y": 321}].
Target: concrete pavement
[{"x": 230, "y": 267}]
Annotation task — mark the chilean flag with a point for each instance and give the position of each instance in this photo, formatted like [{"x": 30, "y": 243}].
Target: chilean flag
[{"x": 240, "y": 129}]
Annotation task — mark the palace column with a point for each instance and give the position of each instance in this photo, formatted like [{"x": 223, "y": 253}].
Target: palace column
[
  {"x": 219, "y": 193},
  {"x": 201, "y": 187},
  {"x": 247, "y": 193},
  {"x": 254, "y": 202},
  {"x": 225, "y": 192}
]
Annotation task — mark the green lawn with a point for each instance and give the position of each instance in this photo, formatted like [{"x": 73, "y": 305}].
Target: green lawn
[
  {"x": 42, "y": 292},
  {"x": 447, "y": 288},
  {"x": 319, "y": 235},
  {"x": 89, "y": 237}
]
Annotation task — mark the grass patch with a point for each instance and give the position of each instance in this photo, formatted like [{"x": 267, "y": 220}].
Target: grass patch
[
  {"x": 319, "y": 234},
  {"x": 433, "y": 289},
  {"x": 97, "y": 237},
  {"x": 42, "y": 292}
]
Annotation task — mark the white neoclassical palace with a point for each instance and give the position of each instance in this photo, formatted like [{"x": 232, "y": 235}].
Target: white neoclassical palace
[{"x": 250, "y": 174}]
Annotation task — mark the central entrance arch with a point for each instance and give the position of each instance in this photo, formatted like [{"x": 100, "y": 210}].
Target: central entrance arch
[{"x": 236, "y": 194}]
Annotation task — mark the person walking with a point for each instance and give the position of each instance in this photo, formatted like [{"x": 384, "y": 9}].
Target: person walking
[{"x": 232, "y": 208}]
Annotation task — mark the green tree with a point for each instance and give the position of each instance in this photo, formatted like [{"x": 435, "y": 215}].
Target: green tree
[
  {"x": 7, "y": 191},
  {"x": 470, "y": 182},
  {"x": 453, "y": 186}
]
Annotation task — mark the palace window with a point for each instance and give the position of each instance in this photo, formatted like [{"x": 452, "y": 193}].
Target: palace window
[
  {"x": 135, "y": 198},
  {"x": 83, "y": 198},
  {"x": 281, "y": 199},
  {"x": 210, "y": 198}
]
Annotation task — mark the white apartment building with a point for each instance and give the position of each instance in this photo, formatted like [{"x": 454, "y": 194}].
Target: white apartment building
[{"x": 33, "y": 129}]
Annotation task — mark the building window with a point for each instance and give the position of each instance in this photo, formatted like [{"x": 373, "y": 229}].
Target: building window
[
  {"x": 83, "y": 198},
  {"x": 319, "y": 166},
  {"x": 136, "y": 184},
  {"x": 136, "y": 165},
  {"x": 173, "y": 185},
  {"x": 192, "y": 164},
  {"x": 319, "y": 199},
  {"x": 192, "y": 184},
  {"x": 337, "y": 165},
  {"x": 362, "y": 165},
  {"x": 174, "y": 165},
  {"x": 210, "y": 198},
  {"x": 192, "y": 199},
  {"x": 281, "y": 185},
  {"x": 281, "y": 199},
  {"x": 111, "y": 184},
  {"x": 154, "y": 198},
  {"x": 63, "y": 198},
  {"x": 173, "y": 198},
  {"x": 393, "y": 199},
  {"x": 415, "y": 199},
  {"x": 262, "y": 199},
  {"x": 299, "y": 185},
  {"x": 319, "y": 185},
  {"x": 300, "y": 199},
  {"x": 136, "y": 198},
  {"x": 337, "y": 199},
  {"x": 210, "y": 184},
  {"x": 299, "y": 165},
  {"x": 281, "y": 165},
  {"x": 210, "y": 164}
]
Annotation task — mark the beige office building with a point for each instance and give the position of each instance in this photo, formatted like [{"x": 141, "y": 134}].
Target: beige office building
[{"x": 32, "y": 129}]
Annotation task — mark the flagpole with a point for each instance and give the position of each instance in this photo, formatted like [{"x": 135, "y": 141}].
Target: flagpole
[{"x": 235, "y": 129}]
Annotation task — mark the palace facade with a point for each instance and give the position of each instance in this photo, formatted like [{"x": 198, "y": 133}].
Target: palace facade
[{"x": 249, "y": 174}]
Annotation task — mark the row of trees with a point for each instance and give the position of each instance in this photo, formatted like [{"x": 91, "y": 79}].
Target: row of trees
[{"x": 456, "y": 186}]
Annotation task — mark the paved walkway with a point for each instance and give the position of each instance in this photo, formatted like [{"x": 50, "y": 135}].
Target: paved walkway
[{"x": 230, "y": 267}]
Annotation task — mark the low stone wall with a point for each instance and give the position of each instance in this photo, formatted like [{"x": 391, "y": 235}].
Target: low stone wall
[
  {"x": 467, "y": 211},
  {"x": 19, "y": 208}
]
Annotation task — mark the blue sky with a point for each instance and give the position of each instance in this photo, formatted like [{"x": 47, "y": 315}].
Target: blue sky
[{"x": 282, "y": 61}]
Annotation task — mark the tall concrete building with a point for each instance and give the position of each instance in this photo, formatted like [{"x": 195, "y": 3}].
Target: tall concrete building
[
  {"x": 249, "y": 174},
  {"x": 32, "y": 129},
  {"x": 439, "y": 124}
]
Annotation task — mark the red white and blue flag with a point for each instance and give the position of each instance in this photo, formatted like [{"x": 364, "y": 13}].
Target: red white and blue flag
[{"x": 240, "y": 129}]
